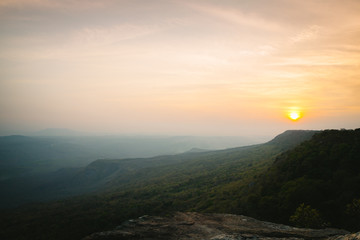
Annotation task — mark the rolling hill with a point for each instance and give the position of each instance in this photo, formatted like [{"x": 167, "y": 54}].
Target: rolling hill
[
  {"x": 60, "y": 148},
  {"x": 298, "y": 177},
  {"x": 211, "y": 181}
]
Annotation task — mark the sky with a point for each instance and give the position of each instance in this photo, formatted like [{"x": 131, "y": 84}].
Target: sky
[{"x": 179, "y": 67}]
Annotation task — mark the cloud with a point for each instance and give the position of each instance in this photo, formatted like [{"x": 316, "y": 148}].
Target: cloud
[
  {"x": 87, "y": 41},
  {"x": 226, "y": 59},
  {"x": 309, "y": 33},
  {"x": 236, "y": 17},
  {"x": 112, "y": 35},
  {"x": 51, "y": 4},
  {"x": 263, "y": 50}
]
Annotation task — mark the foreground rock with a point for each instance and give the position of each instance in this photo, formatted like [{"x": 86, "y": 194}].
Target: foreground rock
[
  {"x": 199, "y": 226},
  {"x": 353, "y": 236}
]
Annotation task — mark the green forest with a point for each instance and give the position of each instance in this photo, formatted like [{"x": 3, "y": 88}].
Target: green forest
[
  {"x": 322, "y": 174},
  {"x": 303, "y": 178}
]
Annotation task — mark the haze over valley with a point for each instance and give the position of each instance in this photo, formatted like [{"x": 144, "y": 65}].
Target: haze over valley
[{"x": 179, "y": 119}]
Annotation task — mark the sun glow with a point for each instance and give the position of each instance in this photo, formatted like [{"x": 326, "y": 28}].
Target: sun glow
[{"x": 294, "y": 115}]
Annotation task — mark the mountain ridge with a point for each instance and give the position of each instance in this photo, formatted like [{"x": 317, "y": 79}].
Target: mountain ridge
[
  {"x": 323, "y": 172},
  {"x": 112, "y": 173},
  {"x": 215, "y": 181}
]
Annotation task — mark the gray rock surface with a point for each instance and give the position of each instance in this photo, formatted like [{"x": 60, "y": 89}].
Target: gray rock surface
[
  {"x": 198, "y": 226},
  {"x": 354, "y": 236}
]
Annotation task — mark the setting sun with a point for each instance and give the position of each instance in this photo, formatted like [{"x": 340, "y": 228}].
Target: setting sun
[{"x": 294, "y": 116}]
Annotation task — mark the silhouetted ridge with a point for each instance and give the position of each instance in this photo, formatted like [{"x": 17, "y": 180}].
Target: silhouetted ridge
[
  {"x": 291, "y": 138},
  {"x": 14, "y": 138}
]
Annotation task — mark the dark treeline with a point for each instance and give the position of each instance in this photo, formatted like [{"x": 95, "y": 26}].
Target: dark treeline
[{"x": 323, "y": 173}]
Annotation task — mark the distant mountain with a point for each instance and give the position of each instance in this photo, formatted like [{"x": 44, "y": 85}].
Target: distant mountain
[
  {"x": 23, "y": 155},
  {"x": 211, "y": 181},
  {"x": 127, "y": 173},
  {"x": 196, "y": 150},
  {"x": 30, "y": 166},
  {"x": 309, "y": 177},
  {"x": 62, "y": 148},
  {"x": 59, "y": 132}
]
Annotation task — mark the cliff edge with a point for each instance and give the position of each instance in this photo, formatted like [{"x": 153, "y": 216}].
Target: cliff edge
[{"x": 202, "y": 226}]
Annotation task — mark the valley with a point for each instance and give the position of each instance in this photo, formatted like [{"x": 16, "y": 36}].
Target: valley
[{"x": 268, "y": 181}]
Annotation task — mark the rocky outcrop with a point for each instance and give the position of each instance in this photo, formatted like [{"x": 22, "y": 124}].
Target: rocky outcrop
[
  {"x": 191, "y": 225},
  {"x": 354, "y": 236}
]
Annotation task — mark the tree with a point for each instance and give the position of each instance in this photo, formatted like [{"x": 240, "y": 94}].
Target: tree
[
  {"x": 353, "y": 209},
  {"x": 353, "y": 214},
  {"x": 305, "y": 216}
]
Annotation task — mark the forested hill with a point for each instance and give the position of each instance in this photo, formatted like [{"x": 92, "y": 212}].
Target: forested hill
[
  {"x": 269, "y": 181},
  {"x": 129, "y": 173},
  {"x": 291, "y": 138},
  {"x": 320, "y": 177}
]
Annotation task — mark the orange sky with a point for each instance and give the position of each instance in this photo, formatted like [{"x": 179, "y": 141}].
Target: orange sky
[{"x": 179, "y": 67}]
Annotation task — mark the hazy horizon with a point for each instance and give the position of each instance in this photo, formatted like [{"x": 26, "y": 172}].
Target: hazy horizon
[
  {"x": 65, "y": 132},
  {"x": 170, "y": 67}
]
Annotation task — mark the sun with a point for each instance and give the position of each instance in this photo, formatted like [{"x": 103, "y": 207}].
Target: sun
[{"x": 294, "y": 115}]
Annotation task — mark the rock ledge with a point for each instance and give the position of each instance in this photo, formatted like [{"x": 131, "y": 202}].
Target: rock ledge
[{"x": 191, "y": 225}]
